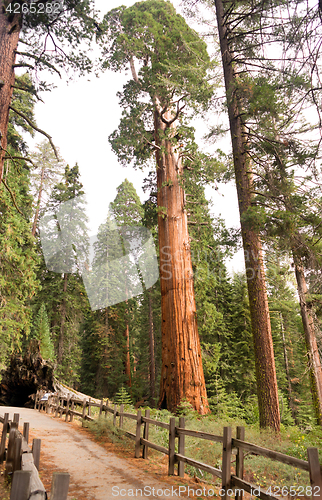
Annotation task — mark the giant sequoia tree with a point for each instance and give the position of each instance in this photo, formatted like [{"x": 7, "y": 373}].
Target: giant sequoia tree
[{"x": 169, "y": 66}]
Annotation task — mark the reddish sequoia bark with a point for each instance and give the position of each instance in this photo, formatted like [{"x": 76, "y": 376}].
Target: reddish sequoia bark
[
  {"x": 9, "y": 37},
  {"x": 181, "y": 373},
  {"x": 261, "y": 327},
  {"x": 312, "y": 352},
  {"x": 151, "y": 347}
]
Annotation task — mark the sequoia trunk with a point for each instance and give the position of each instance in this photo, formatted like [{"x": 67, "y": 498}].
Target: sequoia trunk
[
  {"x": 151, "y": 348},
  {"x": 182, "y": 374},
  {"x": 9, "y": 37},
  {"x": 312, "y": 352},
  {"x": 261, "y": 327}
]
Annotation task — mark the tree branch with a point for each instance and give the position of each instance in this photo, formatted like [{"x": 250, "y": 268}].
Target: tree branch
[
  {"x": 36, "y": 128},
  {"x": 38, "y": 59},
  {"x": 12, "y": 196},
  {"x": 19, "y": 158}
]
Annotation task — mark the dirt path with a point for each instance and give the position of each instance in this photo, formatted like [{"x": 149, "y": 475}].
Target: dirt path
[{"x": 96, "y": 474}]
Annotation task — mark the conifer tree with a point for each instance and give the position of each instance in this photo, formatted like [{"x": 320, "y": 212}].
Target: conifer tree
[
  {"x": 62, "y": 287},
  {"x": 127, "y": 211},
  {"x": 44, "y": 176},
  {"x": 41, "y": 331},
  {"x": 19, "y": 259},
  {"x": 173, "y": 64}
]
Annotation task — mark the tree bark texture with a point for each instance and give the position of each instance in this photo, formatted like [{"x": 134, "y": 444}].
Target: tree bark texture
[
  {"x": 312, "y": 352},
  {"x": 261, "y": 327},
  {"x": 9, "y": 37},
  {"x": 182, "y": 374},
  {"x": 151, "y": 348}
]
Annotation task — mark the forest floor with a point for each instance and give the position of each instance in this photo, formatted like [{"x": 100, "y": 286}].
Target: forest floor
[{"x": 98, "y": 470}]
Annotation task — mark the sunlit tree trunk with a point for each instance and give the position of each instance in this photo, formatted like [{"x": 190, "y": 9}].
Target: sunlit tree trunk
[
  {"x": 261, "y": 327},
  {"x": 9, "y": 37},
  {"x": 181, "y": 373},
  {"x": 313, "y": 357},
  {"x": 151, "y": 347}
]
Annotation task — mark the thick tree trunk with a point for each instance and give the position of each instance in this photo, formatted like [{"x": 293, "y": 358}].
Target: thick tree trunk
[
  {"x": 263, "y": 344},
  {"x": 182, "y": 374},
  {"x": 151, "y": 348},
  {"x": 9, "y": 37},
  {"x": 62, "y": 323},
  {"x": 312, "y": 352}
]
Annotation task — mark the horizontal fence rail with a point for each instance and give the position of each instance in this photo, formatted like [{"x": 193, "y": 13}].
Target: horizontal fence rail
[
  {"x": 233, "y": 484},
  {"x": 22, "y": 464}
]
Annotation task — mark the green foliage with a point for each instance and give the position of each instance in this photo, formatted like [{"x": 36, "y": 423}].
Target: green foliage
[
  {"x": 19, "y": 259},
  {"x": 122, "y": 397},
  {"x": 173, "y": 64},
  {"x": 71, "y": 30},
  {"x": 41, "y": 331}
]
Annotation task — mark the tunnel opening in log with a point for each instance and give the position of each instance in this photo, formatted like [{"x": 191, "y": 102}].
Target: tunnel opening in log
[{"x": 24, "y": 376}]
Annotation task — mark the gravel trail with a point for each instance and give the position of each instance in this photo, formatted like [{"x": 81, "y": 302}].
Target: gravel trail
[{"x": 96, "y": 474}]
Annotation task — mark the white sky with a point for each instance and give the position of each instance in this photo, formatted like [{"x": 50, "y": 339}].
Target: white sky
[{"x": 80, "y": 116}]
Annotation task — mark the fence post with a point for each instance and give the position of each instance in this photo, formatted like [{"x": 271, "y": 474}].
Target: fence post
[
  {"x": 61, "y": 408},
  {"x": 20, "y": 489},
  {"x": 181, "y": 447},
  {"x": 146, "y": 435},
  {"x": 84, "y": 409},
  {"x": 10, "y": 452},
  {"x": 71, "y": 418},
  {"x": 172, "y": 437},
  {"x": 4, "y": 437},
  {"x": 16, "y": 418},
  {"x": 89, "y": 412},
  {"x": 240, "y": 434},
  {"x": 59, "y": 486},
  {"x": 315, "y": 471},
  {"x": 36, "y": 444},
  {"x": 121, "y": 415},
  {"x": 226, "y": 462},
  {"x": 138, "y": 434},
  {"x": 101, "y": 407},
  {"x": 67, "y": 408},
  {"x": 17, "y": 454},
  {"x": 26, "y": 431},
  {"x": 114, "y": 416}
]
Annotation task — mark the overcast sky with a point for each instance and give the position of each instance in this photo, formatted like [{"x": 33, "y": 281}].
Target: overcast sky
[{"x": 80, "y": 116}]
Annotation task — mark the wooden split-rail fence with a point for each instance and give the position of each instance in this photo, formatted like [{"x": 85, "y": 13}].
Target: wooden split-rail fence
[
  {"x": 22, "y": 464},
  {"x": 233, "y": 482}
]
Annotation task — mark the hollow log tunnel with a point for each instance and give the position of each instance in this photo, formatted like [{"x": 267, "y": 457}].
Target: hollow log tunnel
[{"x": 23, "y": 377}]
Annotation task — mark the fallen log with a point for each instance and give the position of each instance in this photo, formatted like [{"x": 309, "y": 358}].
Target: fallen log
[{"x": 24, "y": 376}]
